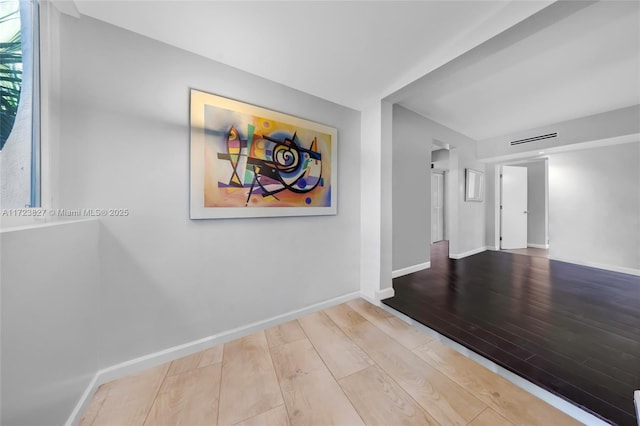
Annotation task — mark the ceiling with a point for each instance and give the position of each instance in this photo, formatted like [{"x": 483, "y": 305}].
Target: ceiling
[
  {"x": 483, "y": 68},
  {"x": 571, "y": 60}
]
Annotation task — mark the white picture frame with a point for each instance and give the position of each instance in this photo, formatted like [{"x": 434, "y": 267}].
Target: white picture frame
[
  {"x": 249, "y": 161},
  {"x": 474, "y": 185}
]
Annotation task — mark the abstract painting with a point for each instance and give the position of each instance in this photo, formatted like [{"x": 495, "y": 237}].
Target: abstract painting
[{"x": 248, "y": 161}]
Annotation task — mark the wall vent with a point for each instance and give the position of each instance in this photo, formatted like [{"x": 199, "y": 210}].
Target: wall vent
[{"x": 534, "y": 138}]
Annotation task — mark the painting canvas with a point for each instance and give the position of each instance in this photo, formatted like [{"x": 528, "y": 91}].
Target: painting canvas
[{"x": 248, "y": 161}]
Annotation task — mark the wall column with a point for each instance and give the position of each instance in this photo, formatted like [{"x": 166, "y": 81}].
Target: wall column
[{"x": 375, "y": 201}]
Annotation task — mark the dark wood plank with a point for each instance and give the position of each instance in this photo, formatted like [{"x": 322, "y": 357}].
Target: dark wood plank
[{"x": 570, "y": 329}]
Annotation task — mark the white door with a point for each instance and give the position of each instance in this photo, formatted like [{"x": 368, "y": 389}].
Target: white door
[
  {"x": 514, "y": 208},
  {"x": 437, "y": 207}
]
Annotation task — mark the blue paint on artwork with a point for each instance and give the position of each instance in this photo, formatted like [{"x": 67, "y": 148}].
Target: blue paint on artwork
[
  {"x": 302, "y": 184},
  {"x": 307, "y": 200},
  {"x": 328, "y": 197}
]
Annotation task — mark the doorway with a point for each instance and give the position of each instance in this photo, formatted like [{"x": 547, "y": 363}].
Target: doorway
[
  {"x": 437, "y": 206},
  {"x": 513, "y": 207},
  {"x": 522, "y": 207}
]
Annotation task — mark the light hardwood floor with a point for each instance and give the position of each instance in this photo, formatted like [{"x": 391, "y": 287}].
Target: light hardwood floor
[{"x": 351, "y": 364}]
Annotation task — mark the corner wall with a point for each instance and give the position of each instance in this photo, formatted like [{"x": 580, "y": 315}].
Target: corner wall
[
  {"x": 413, "y": 136},
  {"x": 167, "y": 280}
]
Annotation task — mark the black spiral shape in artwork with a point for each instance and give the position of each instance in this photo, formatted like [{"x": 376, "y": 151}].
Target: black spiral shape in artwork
[{"x": 286, "y": 158}]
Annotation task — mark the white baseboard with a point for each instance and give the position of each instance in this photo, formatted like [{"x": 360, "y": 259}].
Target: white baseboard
[
  {"x": 613, "y": 268},
  {"x": 379, "y": 296},
  {"x": 371, "y": 300},
  {"x": 385, "y": 294},
  {"x": 467, "y": 253},
  {"x": 540, "y": 246},
  {"x": 154, "y": 359},
  {"x": 411, "y": 269}
]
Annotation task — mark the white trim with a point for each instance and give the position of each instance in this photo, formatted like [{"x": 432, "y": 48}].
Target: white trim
[
  {"x": 151, "y": 360},
  {"x": 621, "y": 269},
  {"x": 380, "y": 295},
  {"x": 371, "y": 300},
  {"x": 49, "y": 103},
  {"x": 411, "y": 269},
  {"x": 540, "y": 246},
  {"x": 467, "y": 253},
  {"x": 45, "y": 223},
  {"x": 555, "y": 401},
  {"x": 385, "y": 293},
  {"x": 68, "y": 7}
]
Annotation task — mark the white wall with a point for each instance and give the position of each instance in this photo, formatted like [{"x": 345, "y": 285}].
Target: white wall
[
  {"x": 375, "y": 196},
  {"x": 386, "y": 197},
  {"x": 594, "y": 206},
  {"x": 471, "y": 214},
  {"x": 50, "y": 279},
  {"x": 411, "y": 189},
  {"x": 110, "y": 291},
  {"x": 165, "y": 279}
]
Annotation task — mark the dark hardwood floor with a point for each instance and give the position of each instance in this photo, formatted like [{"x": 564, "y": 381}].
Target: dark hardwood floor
[{"x": 570, "y": 329}]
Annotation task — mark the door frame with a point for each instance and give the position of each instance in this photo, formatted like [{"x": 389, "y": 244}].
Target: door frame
[
  {"x": 498, "y": 198},
  {"x": 516, "y": 234},
  {"x": 445, "y": 210}
]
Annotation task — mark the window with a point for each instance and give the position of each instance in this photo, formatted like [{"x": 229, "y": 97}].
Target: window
[{"x": 19, "y": 104}]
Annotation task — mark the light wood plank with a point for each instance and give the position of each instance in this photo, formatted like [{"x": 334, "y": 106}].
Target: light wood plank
[
  {"x": 345, "y": 317},
  {"x": 441, "y": 397},
  {"x": 199, "y": 359},
  {"x": 490, "y": 418},
  {"x": 385, "y": 393},
  {"x": 248, "y": 385},
  {"x": 503, "y": 396},
  {"x": 296, "y": 359},
  {"x": 340, "y": 354},
  {"x": 188, "y": 399},
  {"x": 275, "y": 417},
  {"x": 381, "y": 401},
  {"x": 408, "y": 336},
  {"x": 129, "y": 399},
  {"x": 284, "y": 333},
  {"x": 211, "y": 356},
  {"x": 94, "y": 406},
  {"x": 311, "y": 394}
]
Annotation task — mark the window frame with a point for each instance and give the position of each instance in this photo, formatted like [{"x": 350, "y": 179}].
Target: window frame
[{"x": 36, "y": 173}]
